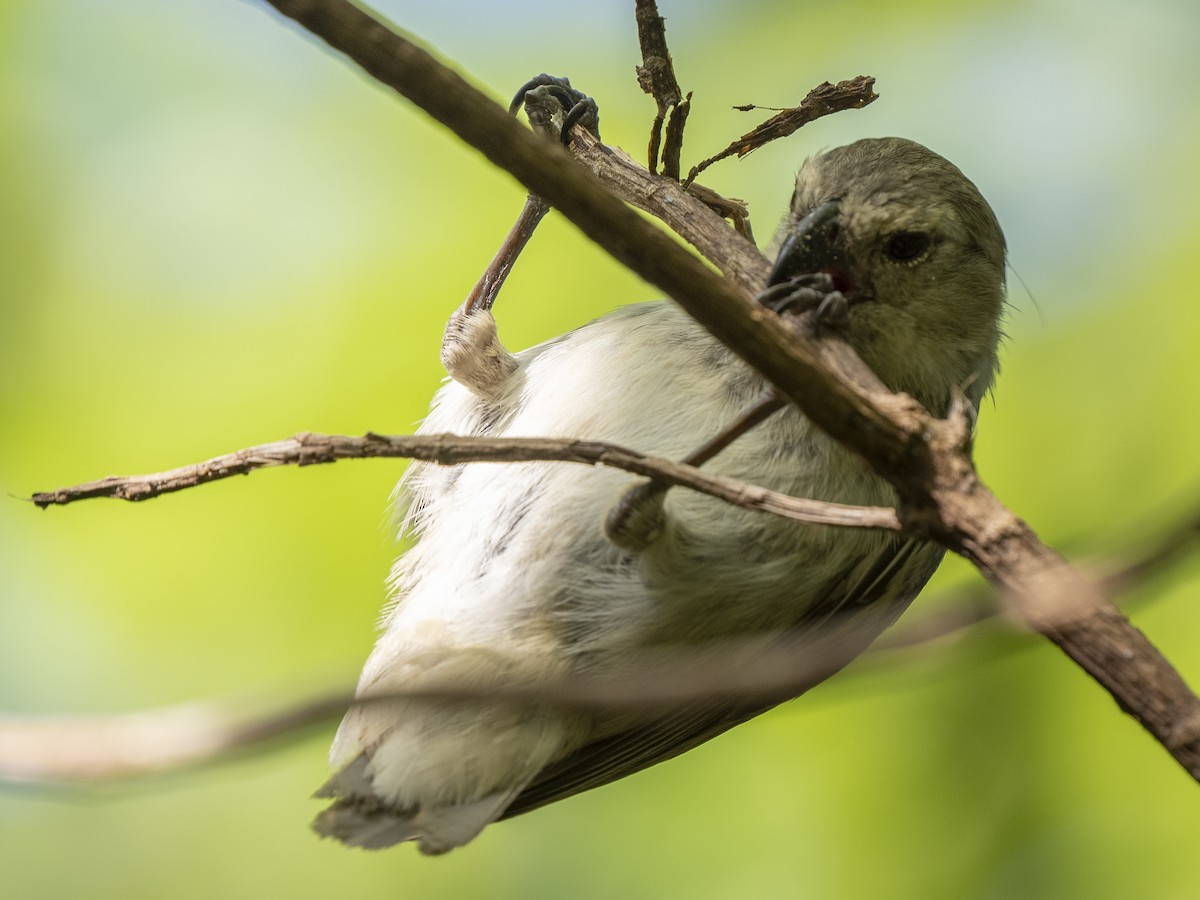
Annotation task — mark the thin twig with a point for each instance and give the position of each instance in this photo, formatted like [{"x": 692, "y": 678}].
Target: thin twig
[
  {"x": 308, "y": 449},
  {"x": 643, "y": 503},
  {"x": 757, "y": 413},
  {"x": 673, "y": 145},
  {"x": 821, "y": 101},
  {"x": 541, "y": 104},
  {"x": 656, "y": 75}
]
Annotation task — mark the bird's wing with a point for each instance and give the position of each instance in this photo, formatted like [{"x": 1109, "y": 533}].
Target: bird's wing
[
  {"x": 893, "y": 578},
  {"x": 614, "y": 757}
]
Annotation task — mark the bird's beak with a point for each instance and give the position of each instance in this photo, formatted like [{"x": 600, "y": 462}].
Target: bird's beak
[{"x": 816, "y": 245}]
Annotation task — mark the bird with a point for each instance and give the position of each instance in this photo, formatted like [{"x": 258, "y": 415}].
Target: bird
[{"x": 512, "y": 576}]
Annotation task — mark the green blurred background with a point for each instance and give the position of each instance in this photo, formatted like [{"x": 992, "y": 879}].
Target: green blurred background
[{"x": 213, "y": 233}]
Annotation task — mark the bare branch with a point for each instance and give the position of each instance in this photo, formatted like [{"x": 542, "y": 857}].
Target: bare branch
[
  {"x": 696, "y": 213},
  {"x": 656, "y": 75},
  {"x": 825, "y": 378},
  {"x": 1175, "y": 544},
  {"x": 1117, "y": 576},
  {"x": 643, "y": 502},
  {"x": 771, "y": 668},
  {"x": 673, "y": 146},
  {"x": 308, "y": 449},
  {"x": 62, "y": 749},
  {"x": 82, "y": 750},
  {"x": 821, "y": 101}
]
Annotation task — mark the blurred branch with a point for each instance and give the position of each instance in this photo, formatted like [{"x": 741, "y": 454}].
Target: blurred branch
[
  {"x": 927, "y": 460},
  {"x": 1116, "y": 576},
  {"x": 308, "y": 449},
  {"x": 63, "y": 749},
  {"x": 59, "y": 749},
  {"x": 1176, "y": 544},
  {"x": 771, "y": 668}
]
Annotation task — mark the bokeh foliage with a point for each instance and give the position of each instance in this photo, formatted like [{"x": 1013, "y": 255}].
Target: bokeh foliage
[{"x": 213, "y": 234}]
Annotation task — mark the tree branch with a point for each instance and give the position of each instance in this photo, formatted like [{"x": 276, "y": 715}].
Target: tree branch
[
  {"x": 656, "y": 75},
  {"x": 1116, "y": 576},
  {"x": 307, "y": 449},
  {"x": 822, "y": 100},
  {"x": 690, "y": 211},
  {"x": 927, "y": 460},
  {"x": 83, "y": 750},
  {"x": 839, "y": 392}
]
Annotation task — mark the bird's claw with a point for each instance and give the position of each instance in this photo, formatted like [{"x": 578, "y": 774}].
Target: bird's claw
[
  {"x": 814, "y": 291},
  {"x": 638, "y": 517},
  {"x": 797, "y": 295},
  {"x": 471, "y": 350},
  {"x": 833, "y": 313},
  {"x": 576, "y": 107}
]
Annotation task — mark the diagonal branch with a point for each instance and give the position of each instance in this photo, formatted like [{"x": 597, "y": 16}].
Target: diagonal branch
[
  {"x": 825, "y": 378},
  {"x": 927, "y": 460},
  {"x": 1117, "y": 576},
  {"x": 822, "y": 100},
  {"x": 690, "y": 211}
]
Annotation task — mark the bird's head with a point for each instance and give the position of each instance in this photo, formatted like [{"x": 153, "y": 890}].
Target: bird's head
[{"x": 918, "y": 254}]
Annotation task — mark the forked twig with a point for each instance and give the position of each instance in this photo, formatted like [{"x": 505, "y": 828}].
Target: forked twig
[{"x": 821, "y": 101}]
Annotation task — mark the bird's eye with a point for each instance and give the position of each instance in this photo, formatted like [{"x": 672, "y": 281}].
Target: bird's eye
[{"x": 905, "y": 246}]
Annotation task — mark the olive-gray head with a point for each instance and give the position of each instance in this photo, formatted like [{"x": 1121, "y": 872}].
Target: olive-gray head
[{"x": 918, "y": 254}]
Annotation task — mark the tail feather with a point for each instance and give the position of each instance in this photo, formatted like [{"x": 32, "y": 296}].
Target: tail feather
[{"x": 358, "y": 817}]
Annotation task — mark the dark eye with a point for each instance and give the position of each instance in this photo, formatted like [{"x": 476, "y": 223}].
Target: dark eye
[{"x": 905, "y": 246}]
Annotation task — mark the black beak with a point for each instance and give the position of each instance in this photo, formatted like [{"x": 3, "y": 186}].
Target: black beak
[{"x": 817, "y": 245}]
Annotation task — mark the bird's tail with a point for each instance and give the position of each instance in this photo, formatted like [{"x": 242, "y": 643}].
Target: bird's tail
[{"x": 359, "y": 817}]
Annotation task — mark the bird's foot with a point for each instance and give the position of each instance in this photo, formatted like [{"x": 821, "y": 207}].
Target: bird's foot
[
  {"x": 638, "y": 518},
  {"x": 471, "y": 351},
  {"x": 473, "y": 355},
  {"x": 814, "y": 291},
  {"x": 547, "y": 96}
]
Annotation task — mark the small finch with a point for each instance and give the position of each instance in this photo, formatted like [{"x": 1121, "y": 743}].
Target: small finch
[{"x": 513, "y": 577}]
